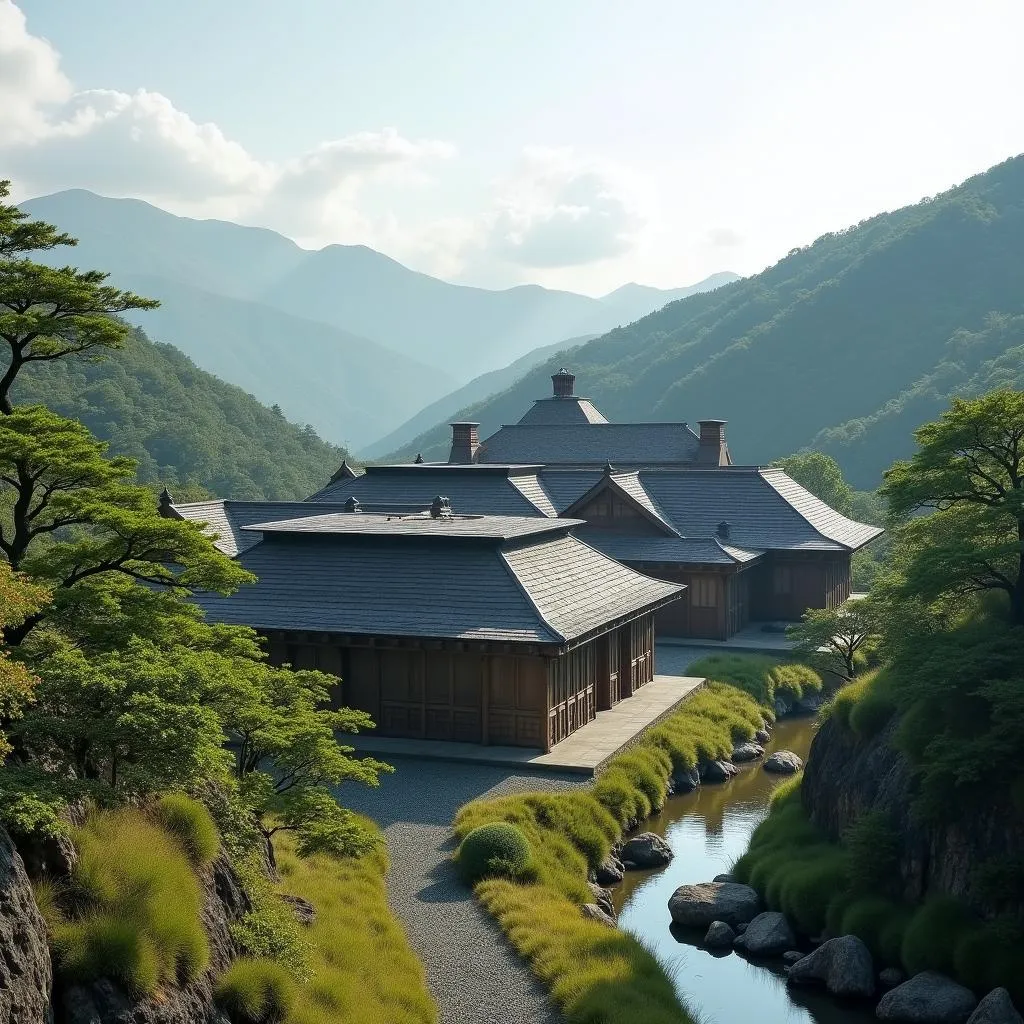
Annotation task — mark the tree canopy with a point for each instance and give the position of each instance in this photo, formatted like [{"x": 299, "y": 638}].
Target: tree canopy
[{"x": 821, "y": 475}]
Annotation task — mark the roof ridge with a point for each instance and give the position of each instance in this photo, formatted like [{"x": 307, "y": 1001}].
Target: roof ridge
[{"x": 501, "y": 552}]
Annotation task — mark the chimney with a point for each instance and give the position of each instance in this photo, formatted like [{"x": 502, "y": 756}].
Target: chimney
[
  {"x": 563, "y": 382},
  {"x": 440, "y": 508},
  {"x": 713, "y": 450},
  {"x": 352, "y": 505},
  {"x": 465, "y": 443}
]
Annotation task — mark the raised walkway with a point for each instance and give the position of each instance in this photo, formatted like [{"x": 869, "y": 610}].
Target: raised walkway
[
  {"x": 584, "y": 752},
  {"x": 752, "y": 639}
]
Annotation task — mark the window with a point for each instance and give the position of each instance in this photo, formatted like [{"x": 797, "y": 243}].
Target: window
[
  {"x": 783, "y": 579},
  {"x": 703, "y": 592}
]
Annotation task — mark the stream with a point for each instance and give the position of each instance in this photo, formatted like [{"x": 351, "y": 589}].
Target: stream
[{"x": 708, "y": 830}]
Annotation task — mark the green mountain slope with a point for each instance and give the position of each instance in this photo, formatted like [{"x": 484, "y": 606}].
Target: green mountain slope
[
  {"x": 184, "y": 426},
  {"x": 834, "y": 346}
]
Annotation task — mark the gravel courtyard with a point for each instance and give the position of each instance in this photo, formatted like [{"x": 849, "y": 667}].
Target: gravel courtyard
[{"x": 475, "y": 975}]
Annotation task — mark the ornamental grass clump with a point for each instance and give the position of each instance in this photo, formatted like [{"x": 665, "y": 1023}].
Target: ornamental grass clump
[
  {"x": 496, "y": 850},
  {"x": 191, "y": 824},
  {"x": 255, "y": 992},
  {"x": 131, "y": 911}
]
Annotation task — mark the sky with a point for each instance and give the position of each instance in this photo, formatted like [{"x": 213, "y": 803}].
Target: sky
[{"x": 577, "y": 144}]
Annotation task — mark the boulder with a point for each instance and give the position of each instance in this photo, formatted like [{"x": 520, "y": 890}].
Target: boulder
[
  {"x": 724, "y": 877},
  {"x": 762, "y": 736},
  {"x": 928, "y": 998},
  {"x": 697, "y": 906},
  {"x": 747, "y": 752},
  {"x": 603, "y": 898},
  {"x": 610, "y": 871},
  {"x": 996, "y": 1008},
  {"x": 25, "y": 969},
  {"x": 768, "y": 934},
  {"x": 843, "y": 965},
  {"x": 808, "y": 704},
  {"x": 791, "y": 956},
  {"x": 782, "y": 707},
  {"x": 594, "y": 913},
  {"x": 783, "y": 762},
  {"x": 685, "y": 780},
  {"x": 718, "y": 771},
  {"x": 719, "y": 936},
  {"x": 741, "y": 927},
  {"x": 891, "y": 977},
  {"x": 646, "y": 850},
  {"x": 304, "y": 911}
]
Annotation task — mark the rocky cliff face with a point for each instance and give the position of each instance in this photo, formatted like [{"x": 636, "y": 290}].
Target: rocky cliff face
[
  {"x": 847, "y": 776},
  {"x": 25, "y": 972},
  {"x": 103, "y": 1002}
]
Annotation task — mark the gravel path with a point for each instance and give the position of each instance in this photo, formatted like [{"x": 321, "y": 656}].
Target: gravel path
[{"x": 475, "y": 975}]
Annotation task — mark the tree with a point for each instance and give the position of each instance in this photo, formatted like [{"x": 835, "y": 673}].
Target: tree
[
  {"x": 287, "y": 758},
  {"x": 48, "y": 313},
  {"x": 835, "y": 639},
  {"x": 18, "y": 600},
  {"x": 968, "y": 473},
  {"x": 821, "y": 475},
  {"x": 67, "y": 513}
]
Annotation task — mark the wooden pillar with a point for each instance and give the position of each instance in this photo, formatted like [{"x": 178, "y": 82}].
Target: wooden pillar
[
  {"x": 485, "y": 699},
  {"x": 547, "y": 706}
]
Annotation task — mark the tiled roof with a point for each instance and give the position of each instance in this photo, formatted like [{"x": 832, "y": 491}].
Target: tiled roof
[
  {"x": 630, "y": 483},
  {"x": 698, "y": 551},
  {"x": 227, "y": 519},
  {"x": 627, "y": 445},
  {"x": 560, "y": 412},
  {"x": 530, "y": 487},
  {"x": 542, "y": 590},
  {"x": 486, "y": 490},
  {"x": 577, "y": 589},
  {"x": 825, "y": 519},
  {"x": 478, "y": 527}
]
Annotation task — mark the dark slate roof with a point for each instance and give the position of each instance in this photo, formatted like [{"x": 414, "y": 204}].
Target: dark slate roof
[
  {"x": 541, "y": 590},
  {"x": 566, "y": 486},
  {"x": 681, "y": 551},
  {"x": 478, "y": 527},
  {"x": 625, "y": 445},
  {"x": 561, "y": 412},
  {"x": 227, "y": 519},
  {"x": 491, "y": 490}
]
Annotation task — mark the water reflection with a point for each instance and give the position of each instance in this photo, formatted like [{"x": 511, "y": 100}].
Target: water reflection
[{"x": 707, "y": 831}]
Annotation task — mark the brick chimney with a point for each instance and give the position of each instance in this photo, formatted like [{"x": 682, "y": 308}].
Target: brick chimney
[
  {"x": 465, "y": 442},
  {"x": 713, "y": 451},
  {"x": 563, "y": 382}
]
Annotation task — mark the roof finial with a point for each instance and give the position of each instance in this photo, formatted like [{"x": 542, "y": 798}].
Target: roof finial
[
  {"x": 608, "y": 468},
  {"x": 344, "y": 472},
  {"x": 166, "y": 502},
  {"x": 352, "y": 505},
  {"x": 419, "y": 459}
]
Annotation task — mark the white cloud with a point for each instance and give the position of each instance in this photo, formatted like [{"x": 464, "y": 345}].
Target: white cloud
[
  {"x": 724, "y": 238},
  {"x": 562, "y": 210}
]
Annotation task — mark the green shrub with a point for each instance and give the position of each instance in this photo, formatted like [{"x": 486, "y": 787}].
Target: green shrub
[
  {"x": 875, "y": 709},
  {"x": 874, "y": 847},
  {"x": 990, "y": 954},
  {"x": 132, "y": 908},
  {"x": 793, "y": 681},
  {"x": 931, "y": 936},
  {"x": 255, "y": 992},
  {"x": 842, "y": 704},
  {"x": 499, "y": 849},
  {"x": 750, "y": 673},
  {"x": 871, "y": 918},
  {"x": 191, "y": 824}
]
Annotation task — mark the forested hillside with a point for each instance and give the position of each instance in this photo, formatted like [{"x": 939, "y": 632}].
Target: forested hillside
[
  {"x": 185, "y": 427},
  {"x": 844, "y": 346}
]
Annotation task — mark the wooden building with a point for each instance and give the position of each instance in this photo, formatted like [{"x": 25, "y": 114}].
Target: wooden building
[{"x": 490, "y": 629}]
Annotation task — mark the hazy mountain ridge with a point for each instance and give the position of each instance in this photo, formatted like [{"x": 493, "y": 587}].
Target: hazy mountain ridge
[
  {"x": 456, "y": 330},
  {"x": 825, "y": 338}
]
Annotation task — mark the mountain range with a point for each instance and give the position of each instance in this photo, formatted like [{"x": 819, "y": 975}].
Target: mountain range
[
  {"x": 343, "y": 337},
  {"x": 845, "y": 345}
]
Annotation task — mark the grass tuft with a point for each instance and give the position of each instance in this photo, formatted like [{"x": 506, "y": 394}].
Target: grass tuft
[
  {"x": 760, "y": 676},
  {"x": 498, "y": 849},
  {"x": 191, "y": 824},
  {"x": 256, "y": 992}
]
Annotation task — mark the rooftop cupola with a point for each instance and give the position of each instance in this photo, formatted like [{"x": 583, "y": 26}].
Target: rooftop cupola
[
  {"x": 563, "y": 383},
  {"x": 712, "y": 450},
  {"x": 166, "y": 506},
  {"x": 465, "y": 443}
]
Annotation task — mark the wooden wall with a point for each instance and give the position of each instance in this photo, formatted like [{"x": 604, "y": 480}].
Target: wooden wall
[
  {"x": 786, "y": 585},
  {"x": 608, "y": 511}
]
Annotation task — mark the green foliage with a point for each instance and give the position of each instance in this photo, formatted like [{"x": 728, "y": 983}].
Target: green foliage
[
  {"x": 255, "y": 992},
  {"x": 498, "y": 849},
  {"x": 865, "y": 706},
  {"x": 132, "y": 908},
  {"x": 968, "y": 470},
  {"x": 288, "y": 757},
  {"x": 191, "y": 824},
  {"x": 932, "y": 935},
  {"x": 361, "y": 968},
  {"x": 762, "y": 676},
  {"x": 834, "y": 639},
  {"x": 18, "y": 600},
  {"x": 821, "y": 475},
  {"x": 874, "y": 848}
]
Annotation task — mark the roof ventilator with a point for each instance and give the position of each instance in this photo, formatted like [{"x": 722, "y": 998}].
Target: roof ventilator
[
  {"x": 440, "y": 508},
  {"x": 352, "y": 505},
  {"x": 723, "y": 531}
]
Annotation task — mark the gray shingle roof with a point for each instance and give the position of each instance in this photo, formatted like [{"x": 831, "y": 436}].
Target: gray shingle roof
[
  {"x": 561, "y": 412},
  {"x": 228, "y": 518},
  {"x": 625, "y": 445},
  {"x": 541, "y": 590},
  {"x": 477, "y": 490},
  {"x": 679, "y": 551},
  {"x": 479, "y": 527}
]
